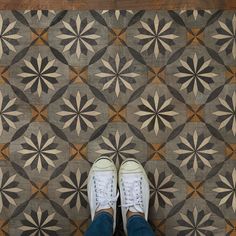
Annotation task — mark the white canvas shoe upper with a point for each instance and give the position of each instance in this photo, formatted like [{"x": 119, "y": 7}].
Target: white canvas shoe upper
[
  {"x": 134, "y": 189},
  {"x": 102, "y": 186}
]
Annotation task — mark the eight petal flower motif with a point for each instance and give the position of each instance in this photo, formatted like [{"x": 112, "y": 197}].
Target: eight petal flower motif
[
  {"x": 117, "y": 74},
  {"x": 195, "y": 223},
  {"x": 226, "y": 37},
  {"x": 161, "y": 189},
  {"x": 39, "y": 223},
  {"x": 117, "y": 147},
  {"x": 78, "y": 113},
  {"x": 156, "y": 113},
  {"x": 195, "y": 74},
  {"x": 117, "y": 13},
  {"x": 8, "y": 36},
  {"x": 227, "y": 113},
  {"x": 74, "y": 189},
  {"x": 226, "y": 189},
  {"x": 156, "y": 36},
  {"x": 78, "y": 36},
  {"x": 39, "y": 74},
  {"x": 195, "y": 13},
  {"x": 8, "y": 190},
  {"x": 39, "y": 13},
  {"x": 8, "y": 113},
  {"x": 195, "y": 151},
  {"x": 39, "y": 151}
]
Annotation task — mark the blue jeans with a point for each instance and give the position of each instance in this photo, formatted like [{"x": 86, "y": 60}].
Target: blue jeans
[{"x": 102, "y": 225}]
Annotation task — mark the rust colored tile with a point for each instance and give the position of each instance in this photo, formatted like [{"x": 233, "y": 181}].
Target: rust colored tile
[
  {"x": 80, "y": 228},
  {"x": 231, "y": 151},
  {"x": 40, "y": 113},
  {"x": 118, "y": 37},
  {"x": 157, "y": 152},
  {"x": 78, "y": 151},
  {"x": 39, "y": 36},
  {"x": 3, "y": 227},
  {"x": 195, "y": 115},
  {"x": 40, "y": 190},
  {"x": 230, "y": 229},
  {"x": 195, "y": 190},
  {"x": 195, "y": 36},
  {"x": 4, "y": 74},
  {"x": 4, "y": 151},
  {"x": 231, "y": 75},
  {"x": 118, "y": 115},
  {"x": 78, "y": 75},
  {"x": 157, "y": 75}
]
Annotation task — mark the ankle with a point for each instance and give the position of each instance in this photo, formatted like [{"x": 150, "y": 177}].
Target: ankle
[
  {"x": 109, "y": 210},
  {"x": 130, "y": 213}
]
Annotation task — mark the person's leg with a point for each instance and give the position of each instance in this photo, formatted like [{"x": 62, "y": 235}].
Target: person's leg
[
  {"x": 102, "y": 197},
  {"x": 102, "y": 225},
  {"x": 138, "y": 226},
  {"x": 134, "y": 195}
]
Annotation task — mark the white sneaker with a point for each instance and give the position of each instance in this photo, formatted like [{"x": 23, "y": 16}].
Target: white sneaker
[
  {"x": 102, "y": 186},
  {"x": 134, "y": 189}
]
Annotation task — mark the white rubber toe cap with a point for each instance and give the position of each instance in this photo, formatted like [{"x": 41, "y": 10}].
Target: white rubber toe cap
[{"x": 103, "y": 164}]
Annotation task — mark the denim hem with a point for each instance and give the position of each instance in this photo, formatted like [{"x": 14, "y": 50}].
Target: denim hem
[
  {"x": 104, "y": 213},
  {"x": 134, "y": 216}
]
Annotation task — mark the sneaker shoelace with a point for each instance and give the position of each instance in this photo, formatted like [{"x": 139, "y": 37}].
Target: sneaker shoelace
[
  {"x": 133, "y": 193},
  {"x": 104, "y": 191}
]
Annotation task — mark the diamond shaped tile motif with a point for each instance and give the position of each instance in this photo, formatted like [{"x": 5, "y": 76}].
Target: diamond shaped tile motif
[{"x": 159, "y": 86}]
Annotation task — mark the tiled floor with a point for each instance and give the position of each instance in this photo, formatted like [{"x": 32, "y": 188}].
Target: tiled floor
[{"x": 159, "y": 86}]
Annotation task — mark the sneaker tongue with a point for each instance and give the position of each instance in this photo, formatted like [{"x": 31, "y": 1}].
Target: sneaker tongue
[
  {"x": 104, "y": 176},
  {"x": 131, "y": 178}
]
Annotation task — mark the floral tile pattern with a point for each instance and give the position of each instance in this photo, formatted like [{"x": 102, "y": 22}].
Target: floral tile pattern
[{"x": 159, "y": 86}]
